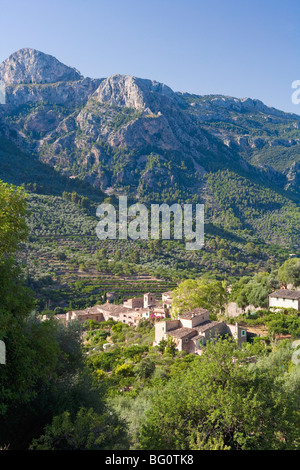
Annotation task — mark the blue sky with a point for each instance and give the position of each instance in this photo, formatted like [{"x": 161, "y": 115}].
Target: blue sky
[{"x": 242, "y": 48}]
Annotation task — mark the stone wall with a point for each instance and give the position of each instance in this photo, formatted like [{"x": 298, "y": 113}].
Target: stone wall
[
  {"x": 162, "y": 328},
  {"x": 232, "y": 309}
]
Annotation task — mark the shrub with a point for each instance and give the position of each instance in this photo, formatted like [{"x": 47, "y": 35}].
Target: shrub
[{"x": 125, "y": 370}]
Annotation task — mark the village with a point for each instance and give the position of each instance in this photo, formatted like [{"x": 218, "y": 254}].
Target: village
[{"x": 190, "y": 331}]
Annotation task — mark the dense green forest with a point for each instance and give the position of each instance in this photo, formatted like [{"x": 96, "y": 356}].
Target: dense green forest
[{"x": 64, "y": 259}]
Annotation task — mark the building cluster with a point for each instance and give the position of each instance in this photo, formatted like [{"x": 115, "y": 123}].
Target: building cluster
[
  {"x": 131, "y": 312},
  {"x": 189, "y": 332}
]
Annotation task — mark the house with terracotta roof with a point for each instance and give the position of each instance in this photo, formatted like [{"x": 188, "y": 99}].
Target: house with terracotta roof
[
  {"x": 91, "y": 313},
  {"x": 106, "y": 311},
  {"x": 130, "y": 312},
  {"x": 285, "y": 298},
  {"x": 193, "y": 329}
]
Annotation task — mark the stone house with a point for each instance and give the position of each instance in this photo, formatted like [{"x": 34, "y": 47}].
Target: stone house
[
  {"x": 138, "y": 302},
  {"x": 111, "y": 296},
  {"x": 131, "y": 312},
  {"x": 285, "y": 298},
  {"x": 167, "y": 299},
  {"x": 193, "y": 329},
  {"x": 233, "y": 310},
  {"x": 149, "y": 300},
  {"x": 104, "y": 312},
  {"x": 92, "y": 313}
]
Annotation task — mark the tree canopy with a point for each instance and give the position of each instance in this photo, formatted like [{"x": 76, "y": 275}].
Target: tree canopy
[
  {"x": 220, "y": 402},
  {"x": 205, "y": 293},
  {"x": 13, "y": 228},
  {"x": 289, "y": 272},
  {"x": 44, "y": 372}
]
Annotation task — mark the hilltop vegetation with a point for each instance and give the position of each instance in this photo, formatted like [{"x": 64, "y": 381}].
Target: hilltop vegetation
[
  {"x": 271, "y": 214},
  {"x": 66, "y": 262},
  {"x": 248, "y": 229}
]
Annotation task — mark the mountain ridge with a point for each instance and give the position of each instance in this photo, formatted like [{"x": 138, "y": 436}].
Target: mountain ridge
[{"x": 134, "y": 136}]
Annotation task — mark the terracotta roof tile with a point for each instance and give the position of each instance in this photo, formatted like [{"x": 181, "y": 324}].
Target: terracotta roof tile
[
  {"x": 181, "y": 332},
  {"x": 208, "y": 325},
  {"x": 193, "y": 313}
]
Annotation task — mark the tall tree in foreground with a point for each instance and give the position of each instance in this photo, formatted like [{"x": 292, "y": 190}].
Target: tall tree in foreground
[
  {"x": 32, "y": 351},
  {"x": 13, "y": 228},
  {"x": 222, "y": 403},
  {"x": 45, "y": 373}
]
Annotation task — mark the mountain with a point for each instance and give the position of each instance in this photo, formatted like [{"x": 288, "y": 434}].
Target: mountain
[
  {"x": 31, "y": 66},
  {"x": 124, "y": 134},
  {"x": 108, "y": 131},
  {"x": 262, "y": 135}
]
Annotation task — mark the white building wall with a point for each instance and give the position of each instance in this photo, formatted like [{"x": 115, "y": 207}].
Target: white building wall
[
  {"x": 283, "y": 303},
  {"x": 200, "y": 319}
]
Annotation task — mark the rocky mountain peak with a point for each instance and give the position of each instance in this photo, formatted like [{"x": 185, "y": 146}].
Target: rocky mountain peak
[
  {"x": 133, "y": 92},
  {"x": 32, "y": 66},
  {"x": 123, "y": 130}
]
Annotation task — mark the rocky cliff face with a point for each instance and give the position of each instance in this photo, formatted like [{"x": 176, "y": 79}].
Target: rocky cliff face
[
  {"x": 155, "y": 119},
  {"x": 132, "y": 92},
  {"x": 68, "y": 94},
  {"x": 293, "y": 176},
  {"x": 215, "y": 106},
  {"x": 127, "y": 133},
  {"x": 133, "y": 118},
  {"x": 31, "y": 66},
  {"x": 32, "y": 77}
]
